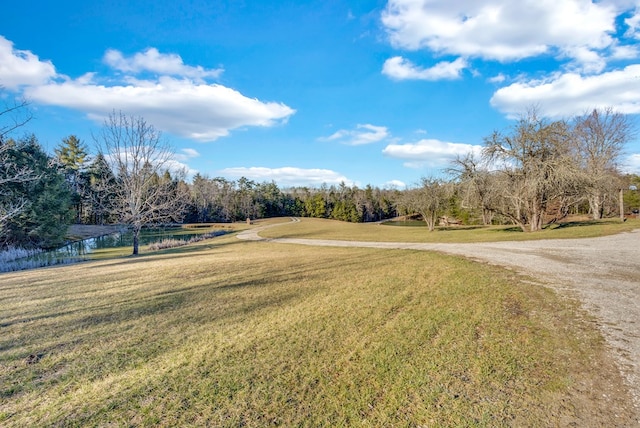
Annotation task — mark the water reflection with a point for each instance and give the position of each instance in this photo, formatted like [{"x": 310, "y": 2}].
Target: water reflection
[{"x": 81, "y": 250}]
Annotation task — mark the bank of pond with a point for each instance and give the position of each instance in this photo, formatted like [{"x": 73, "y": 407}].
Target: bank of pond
[{"x": 15, "y": 259}]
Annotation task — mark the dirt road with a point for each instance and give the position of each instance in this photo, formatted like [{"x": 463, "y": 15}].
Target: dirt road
[{"x": 603, "y": 273}]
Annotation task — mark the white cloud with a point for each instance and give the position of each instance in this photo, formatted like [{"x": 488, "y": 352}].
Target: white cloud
[
  {"x": 497, "y": 79},
  {"x": 176, "y": 168},
  {"x": 429, "y": 152},
  {"x": 625, "y": 52},
  {"x": 363, "y": 134},
  {"x": 177, "y": 101},
  {"x": 631, "y": 165},
  {"x": 402, "y": 69},
  {"x": 568, "y": 94},
  {"x": 172, "y": 162},
  {"x": 20, "y": 68},
  {"x": 154, "y": 61},
  {"x": 395, "y": 184},
  {"x": 288, "y": 176},
  {"x": 634, "y": 24},
  {"x": 201, "y": 112},
  {"x": 186, "y": 154},
  {"x": 503, "y": 30}
]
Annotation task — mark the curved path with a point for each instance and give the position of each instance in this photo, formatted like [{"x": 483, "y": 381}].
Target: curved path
[{"x": 603, "y": 273}]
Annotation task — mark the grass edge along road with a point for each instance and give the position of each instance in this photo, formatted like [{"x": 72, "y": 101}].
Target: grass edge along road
[
  {"x": 228, "y": 333},
  {"x": 415, "y": 231}
]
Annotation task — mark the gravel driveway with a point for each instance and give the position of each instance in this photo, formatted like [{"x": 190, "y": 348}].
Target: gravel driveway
[{"x": 603, "y": 273}]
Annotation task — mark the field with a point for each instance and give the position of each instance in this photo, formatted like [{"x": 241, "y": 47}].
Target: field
[
  {"x": 416, "y": 231},
  {"x": 232, "y": 333}
]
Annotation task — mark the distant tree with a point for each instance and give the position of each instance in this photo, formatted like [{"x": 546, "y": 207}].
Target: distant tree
[
  {"x": 270, "y": 200},
  {"x": 534, "y": 170},
  {"x": 599, "y": 138},
  {"x": 72, "y": 155},
  {"x": 429, "y": 200},
  {"x": 316, "y": 205},
  {"x": 138, "y": 156},
  {"x": 100, "y": 194},
  {"x": 12, "y": 117},
  {"x": 476, "y": 185},
  {"x": 631, "y": 194},
  {"x": 246, "y": 199},
  {"x": 44, "y": 215}
]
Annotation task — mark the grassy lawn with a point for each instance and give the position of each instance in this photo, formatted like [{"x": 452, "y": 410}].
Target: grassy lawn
[
  {"x": 232, "y": 333},
  {"x": 414, "y": 231}
]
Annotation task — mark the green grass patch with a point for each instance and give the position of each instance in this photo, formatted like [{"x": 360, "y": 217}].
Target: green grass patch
[
  {"x": 232, "y": 333},
  {"x": 412, "y": 231}
]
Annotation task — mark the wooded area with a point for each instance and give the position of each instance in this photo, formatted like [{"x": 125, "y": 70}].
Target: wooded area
[{"x": 535, "y": 173}]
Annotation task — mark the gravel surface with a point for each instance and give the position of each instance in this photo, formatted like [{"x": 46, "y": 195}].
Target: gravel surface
[{"x": 603, "y": 273}]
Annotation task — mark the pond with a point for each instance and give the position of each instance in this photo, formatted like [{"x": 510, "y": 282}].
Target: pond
[{"x": 82, "y": 250}]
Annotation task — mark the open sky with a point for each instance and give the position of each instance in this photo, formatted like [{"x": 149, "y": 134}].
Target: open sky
[{"x": 328, "y": 91}]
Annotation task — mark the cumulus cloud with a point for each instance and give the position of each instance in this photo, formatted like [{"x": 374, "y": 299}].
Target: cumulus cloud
[
  {"x": 176, "y": 100},
  {"x": 500, "y": 30},
  {"x": 201, "y": 112},
  {"x": 403, "y": 69},
  {"x": 153, "y": 61},
  {"x": 568, "y": 94},
  {"x": 177, "y": 168},
  {"x": 288, "y": 176},
  {"x": 363, "y": 134},
  {"x": 20, "y": 68},
  {"x": 634, "y": 24},
  {"x": 429, "y": 152}
]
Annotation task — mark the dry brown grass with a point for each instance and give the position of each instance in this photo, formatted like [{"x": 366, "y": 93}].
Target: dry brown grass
[{"x": 230, "y": 333}]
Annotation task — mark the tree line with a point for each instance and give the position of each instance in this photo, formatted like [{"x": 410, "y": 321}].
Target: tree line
[{"x": 535, "y": 173}]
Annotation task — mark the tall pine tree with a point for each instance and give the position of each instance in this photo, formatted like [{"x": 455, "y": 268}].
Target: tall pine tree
[{"x": 72, "y": 155}]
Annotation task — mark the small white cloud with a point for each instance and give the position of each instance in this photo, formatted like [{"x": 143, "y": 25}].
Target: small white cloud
[
  {"x": 402, "y": 69},
  {"x": 429, "y": 152},
  {"x": 497, "y": 79},
  {"x": 563, "y": 95},
  {"x": 363, "y": 134},
  {"x": 20, "y": 68},
  {"x": 631, "y": 165},
  {"x": 176, "y": 168},
  {"x": 288, "y": 176},
  {"x": 395, "y": 184},
  {"x": 186, "y": 154},
  {"x": 154, "y": 61}
]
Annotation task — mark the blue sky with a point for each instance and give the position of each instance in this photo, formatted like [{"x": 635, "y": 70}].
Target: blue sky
[{"x": 310, "y": 92}]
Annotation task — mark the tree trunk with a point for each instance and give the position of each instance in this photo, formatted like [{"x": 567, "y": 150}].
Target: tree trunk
[
  {"x": 622, "y": 204},
  {"x": 136, "y": 236},
  {"x": 596, "y": 206}
]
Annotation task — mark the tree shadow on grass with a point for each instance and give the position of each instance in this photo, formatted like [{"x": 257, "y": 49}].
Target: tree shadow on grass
[{"x": 583, "y": 223}]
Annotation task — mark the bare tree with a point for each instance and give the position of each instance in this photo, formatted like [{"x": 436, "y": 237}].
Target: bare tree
[
  {"x": 429, "y": 200},
  {"x": 534, "y": 169},
  {"x": 139, "y": 158},
  {"x": 599, "y": 138},
  {"x": 12, "y": 117},
  {"x": 476, "y": 184}
]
